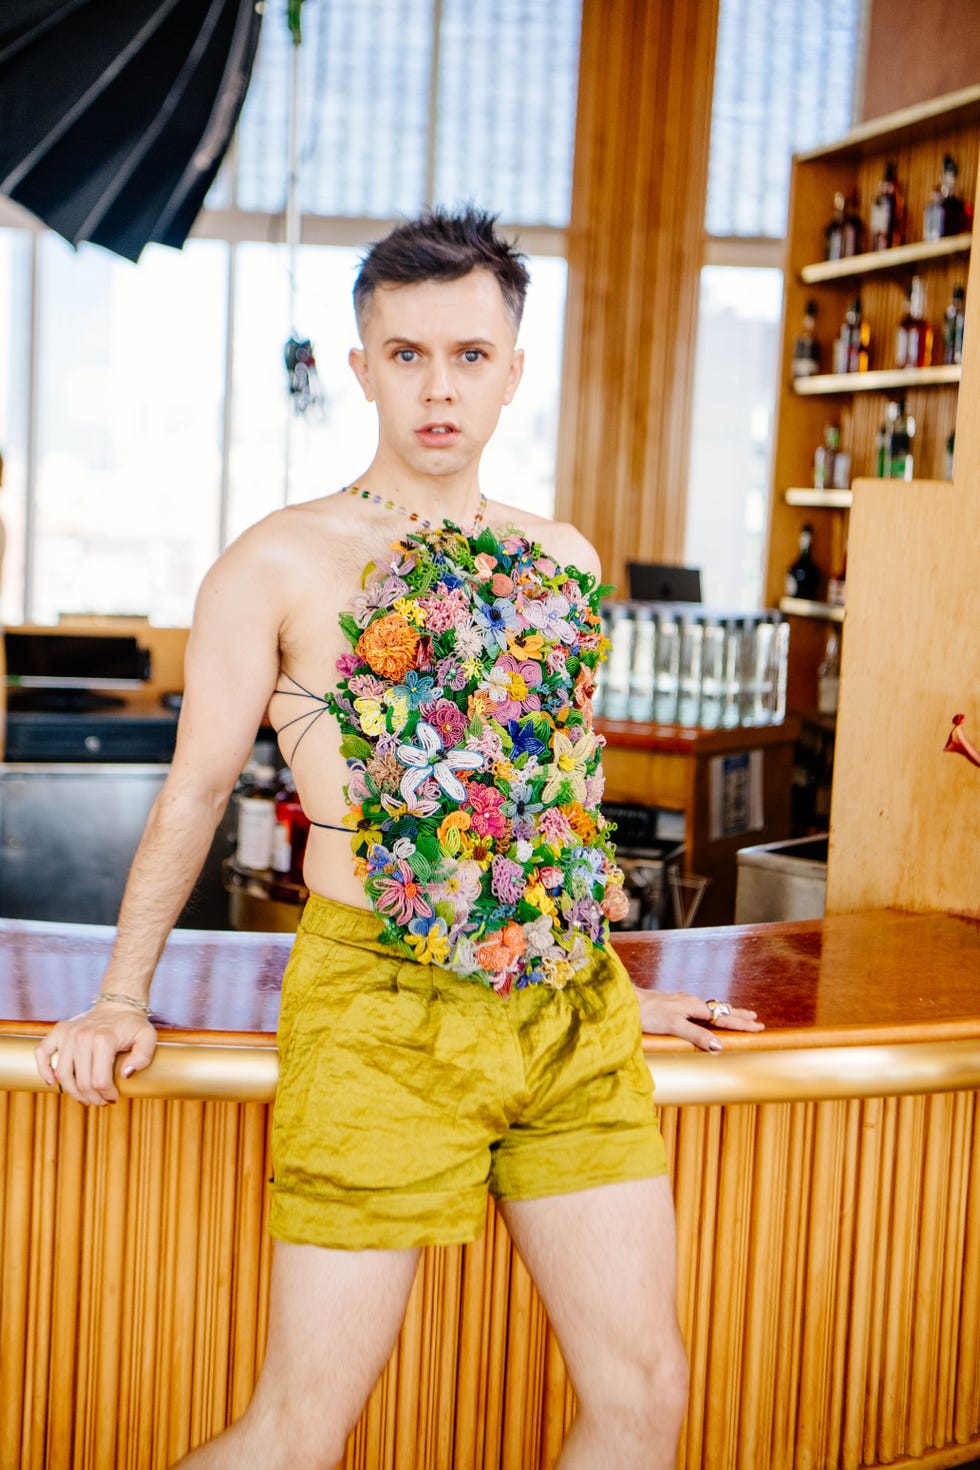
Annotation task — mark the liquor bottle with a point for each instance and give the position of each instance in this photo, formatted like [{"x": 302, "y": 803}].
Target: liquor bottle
[
  {"x": 945, "y": 214},
  {"x": 828, "y": 677},
  {"x": 844, "y": 234},
  {"x": 803, "y": 576},
  {"x": 913, "y": 343},
  {"x": 953, "y": 327},
  {"x": 853, "y": 342},
  {"x": 895, "y": 457},
  {"x": 837, "y": 584},
  {"x": 291, "y": 816},
  {"x": 257, "y": 820},
  {"x": 887, "y": 212},
  {"x": 825, "y": 459},
  {"x": 806, "y": 353}
]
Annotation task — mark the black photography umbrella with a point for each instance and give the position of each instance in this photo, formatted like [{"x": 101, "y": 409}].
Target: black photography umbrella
[{"x": 115, "y": 114}]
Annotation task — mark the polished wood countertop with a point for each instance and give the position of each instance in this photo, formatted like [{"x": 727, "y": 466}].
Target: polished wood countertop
[
  {"x": 694, "y": 739},
  {"x": 860, "y": 996}
]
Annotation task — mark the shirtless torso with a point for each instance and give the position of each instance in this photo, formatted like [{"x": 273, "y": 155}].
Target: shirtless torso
[{"x": 327, "y": 544}]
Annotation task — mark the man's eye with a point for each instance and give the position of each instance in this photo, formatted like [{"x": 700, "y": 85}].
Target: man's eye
[
  {"x": 472, "y": 354},
  {"x": 405, "y": 354}
]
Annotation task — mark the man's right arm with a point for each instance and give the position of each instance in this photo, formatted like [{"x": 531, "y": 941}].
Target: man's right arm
[{"x": 230, "y": 671}]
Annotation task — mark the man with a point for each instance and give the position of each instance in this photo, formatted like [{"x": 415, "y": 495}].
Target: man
[{"x": 452, "y": 1016}]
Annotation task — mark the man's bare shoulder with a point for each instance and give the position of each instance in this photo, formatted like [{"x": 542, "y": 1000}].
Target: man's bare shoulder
[
  {"x": 296, "y": 537},
  {"x": 559, "y": 538}
]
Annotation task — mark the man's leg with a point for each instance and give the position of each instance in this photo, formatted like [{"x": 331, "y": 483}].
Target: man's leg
[
  {"x": 334, "y": 1318},
  {"x": 604, "y": 1263}
]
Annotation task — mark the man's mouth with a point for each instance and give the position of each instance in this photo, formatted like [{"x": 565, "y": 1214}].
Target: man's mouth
[{"x": 438, "y": 433}]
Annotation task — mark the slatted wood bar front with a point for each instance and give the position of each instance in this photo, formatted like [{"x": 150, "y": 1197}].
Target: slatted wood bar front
[{"x": 826, "y": 1173}]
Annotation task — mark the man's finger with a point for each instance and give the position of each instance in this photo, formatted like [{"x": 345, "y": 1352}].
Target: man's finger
[
  {"x": 699, "y": 1035},
  {"x": 45, "y": 1059},
  {"x": 140, "y": 1053},
  {"x": 102, "y": 1082}
]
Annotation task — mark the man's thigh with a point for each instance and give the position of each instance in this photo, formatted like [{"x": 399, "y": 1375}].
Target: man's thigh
[
  {"x": 334, "y": 1318},
  {"x": 604, "y": 1261}
]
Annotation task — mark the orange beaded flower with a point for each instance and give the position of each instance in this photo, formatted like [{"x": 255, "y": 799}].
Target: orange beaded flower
[
  {"x": 388, "y": 646},
  {"x": 501, "y": 950}
]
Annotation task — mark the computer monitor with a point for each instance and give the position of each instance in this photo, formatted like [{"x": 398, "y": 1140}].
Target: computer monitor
[
  {"x": 651, "y": 581},
  {"x": 74, "y": 661}
]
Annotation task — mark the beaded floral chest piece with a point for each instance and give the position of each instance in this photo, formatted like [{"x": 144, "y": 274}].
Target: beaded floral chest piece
[{"x": 465, "y": 709}]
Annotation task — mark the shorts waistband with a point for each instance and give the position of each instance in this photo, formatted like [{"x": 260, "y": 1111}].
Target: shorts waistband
[{"x": 343, "y": 922}]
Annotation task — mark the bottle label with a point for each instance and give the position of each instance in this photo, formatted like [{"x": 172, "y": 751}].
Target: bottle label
[
  {"x": 256, "y": 824},
  {"x": 828, "y": 694}
]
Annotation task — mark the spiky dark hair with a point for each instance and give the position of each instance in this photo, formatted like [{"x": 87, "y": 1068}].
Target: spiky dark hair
[{"x": 443, "y": 246}]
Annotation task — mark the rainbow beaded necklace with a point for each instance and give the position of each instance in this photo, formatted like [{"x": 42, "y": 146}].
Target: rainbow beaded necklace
[{"x": 413, "y": 515}]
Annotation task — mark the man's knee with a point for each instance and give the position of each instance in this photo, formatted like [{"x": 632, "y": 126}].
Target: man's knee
[
  {"x": 297, "y": 1431},
  {"x": 646, "y": 1400}
]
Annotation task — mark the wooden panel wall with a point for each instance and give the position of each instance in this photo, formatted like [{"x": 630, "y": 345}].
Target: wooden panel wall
[
  {"x": 905, "y": 819},
  {"x": 918, "y": 49},
  {"x": 634, "y": 251},
  {"x": 829, "y": 1298}
]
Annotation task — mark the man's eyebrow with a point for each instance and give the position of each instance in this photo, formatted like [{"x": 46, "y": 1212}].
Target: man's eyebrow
[{"x": 463, "y": 345}]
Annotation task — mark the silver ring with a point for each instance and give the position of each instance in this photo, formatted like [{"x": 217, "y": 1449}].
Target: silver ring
[{"x": 718, "y": 1008}]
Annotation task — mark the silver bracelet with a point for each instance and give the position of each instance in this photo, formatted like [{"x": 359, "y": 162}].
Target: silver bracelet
[{"x": 126, "y": 1000}]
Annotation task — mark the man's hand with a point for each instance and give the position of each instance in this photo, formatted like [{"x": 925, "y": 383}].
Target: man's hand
[
  {"x": 678, "y": 1015},
  {"x": 78, "y": 1056}
]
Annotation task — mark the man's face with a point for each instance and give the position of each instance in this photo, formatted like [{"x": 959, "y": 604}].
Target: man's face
[{"x": 439, "y": 360}]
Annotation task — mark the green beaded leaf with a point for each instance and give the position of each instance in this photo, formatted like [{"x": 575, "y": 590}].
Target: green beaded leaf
[
  {"x": 428, "y": 845},
  {"x": 355, "y": 747},
  {"x": 420, "y": 865},
  {"x": 350, "y": 629}
]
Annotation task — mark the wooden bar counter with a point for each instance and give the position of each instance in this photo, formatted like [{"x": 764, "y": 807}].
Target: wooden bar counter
[
  {"x": 826, "y": 1173},
  {"x": 670, "y": 766}
]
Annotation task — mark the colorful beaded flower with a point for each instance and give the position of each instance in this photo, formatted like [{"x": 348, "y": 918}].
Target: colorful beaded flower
[{"x": 465, "y": 708}]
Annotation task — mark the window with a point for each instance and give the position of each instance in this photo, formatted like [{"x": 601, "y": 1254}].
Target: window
[
  {"x": 157, "y": 426},
  {"x": 408, "y": 102},
  {"x": 131, "y": 372},
  {"x": 734, "y": 395},
  {"x": 784, "y": 82},
  {"x": 15, "y": 374}
]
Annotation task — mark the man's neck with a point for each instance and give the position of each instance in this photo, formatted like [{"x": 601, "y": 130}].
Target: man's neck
[{"x": 432, "y": 497}]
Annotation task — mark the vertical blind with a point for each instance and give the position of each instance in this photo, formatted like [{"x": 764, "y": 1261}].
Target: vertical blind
[
  {"x": 784, "y": 82},
  {"x": 408, "y": 102}
]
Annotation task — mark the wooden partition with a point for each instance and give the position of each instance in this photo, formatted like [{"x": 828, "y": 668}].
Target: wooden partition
[
  {"x": 826, "y": 1174},
  {"x": 830, "y": 1305},
  {"x": 634, "y": 258},
  {"x": 905, "y": 819}
]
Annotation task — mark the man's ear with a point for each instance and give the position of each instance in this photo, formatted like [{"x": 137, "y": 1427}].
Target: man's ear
[
  {"x": 357, "y": 358},
  {"x": 515, "y": 374}
]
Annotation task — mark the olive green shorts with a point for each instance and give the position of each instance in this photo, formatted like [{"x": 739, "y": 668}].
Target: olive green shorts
[{"x": 406, "y": 1094}]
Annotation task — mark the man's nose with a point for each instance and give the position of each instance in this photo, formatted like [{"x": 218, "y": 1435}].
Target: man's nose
[{"x": 439, "y": 385}]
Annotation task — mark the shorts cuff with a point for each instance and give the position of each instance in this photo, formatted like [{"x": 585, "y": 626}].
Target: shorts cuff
[
  {"x": 376, "y": 1219},
  {"x": 560, "y": 1165}
]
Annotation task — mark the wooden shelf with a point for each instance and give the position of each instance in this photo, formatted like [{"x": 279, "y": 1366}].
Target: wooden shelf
[
  {"x": 878, "y": 381},
  {"x": 917, "y": 139},
  {"x": 896, "y": 258},
  {"x": 802, "y": 607},
  {"x": 819, "y": 499}
]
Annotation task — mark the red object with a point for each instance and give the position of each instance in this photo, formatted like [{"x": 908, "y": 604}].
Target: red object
[
  {"x": 959, "y": 743},
  {"x": 290, "y": 811}
]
